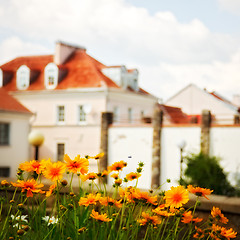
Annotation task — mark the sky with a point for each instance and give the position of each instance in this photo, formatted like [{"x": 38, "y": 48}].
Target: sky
[{"x": 172, "y": 43}]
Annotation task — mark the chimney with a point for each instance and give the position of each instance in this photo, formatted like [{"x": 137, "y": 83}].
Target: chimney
[{"x": 63, "y": 51}]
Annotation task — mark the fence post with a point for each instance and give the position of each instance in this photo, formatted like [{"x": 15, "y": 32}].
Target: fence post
[
  {"x": 106, "y": 120},
  {"x": 205, "y": 131},
  {"x": 156, "y": 149}
]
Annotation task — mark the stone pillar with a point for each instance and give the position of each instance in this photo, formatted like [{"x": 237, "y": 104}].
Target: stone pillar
[
  {"x": 205, "y": 131},
  {"x": 107, "y": 119},
  {"x": 156, "y": 150}
]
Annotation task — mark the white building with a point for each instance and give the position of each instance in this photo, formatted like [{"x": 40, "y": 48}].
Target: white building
[
  {"x": 68, "y": 91},
  {"x": 14, "y": 130},
  {"x": 193, "y": 100}
]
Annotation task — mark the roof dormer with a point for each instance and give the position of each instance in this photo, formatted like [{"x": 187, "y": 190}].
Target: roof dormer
[
  {"x": 23, "y": 77},
  {"x": 51, "y": 73}
]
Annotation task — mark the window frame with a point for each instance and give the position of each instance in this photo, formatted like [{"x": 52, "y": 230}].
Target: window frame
[
  {"x": 81, "y": 112},
  {"x": 58, "y": 153},
  {"x": 51, "y": 73},
  {"x": 61, "y": 113},
  {"x": 6, "y": 133},
  {"x": 23, "y": 81}
]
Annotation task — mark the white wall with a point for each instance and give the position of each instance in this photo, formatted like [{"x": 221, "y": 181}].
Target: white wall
[
  {"x": 224, "y": 143},
  {"x": 18, "y": 150},
  {"x": 136, "y": 143}
]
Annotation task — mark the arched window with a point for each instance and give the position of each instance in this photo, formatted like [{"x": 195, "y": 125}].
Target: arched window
[
  {"x": 1, "y": 78},
  {"x": 51, "y": 76},
  {"x": 23, "y": 77}
]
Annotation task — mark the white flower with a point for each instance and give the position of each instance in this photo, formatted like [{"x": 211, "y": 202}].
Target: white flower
[
  {"x": 20, "y": 218},
  {"x": 50, "y": 220}
]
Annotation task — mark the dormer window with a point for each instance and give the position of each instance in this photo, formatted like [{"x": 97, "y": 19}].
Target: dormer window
[
  {"x": 23, "y": 77},
  {"x": 51, "y": 76}
]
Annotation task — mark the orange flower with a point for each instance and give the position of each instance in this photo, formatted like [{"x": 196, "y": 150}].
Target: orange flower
[
  {"x": 110, "y": 201},
  {"x": 176, "y": 196},
  {"x": 147, "y": 219},
  {"x": 91, "y": 199},
  {"x": 30, "y": 186},
  {"x": 187, "y": 218},
  {"x": 104, "y": 173},
  {"x": 50, "y": 191},
  {"x": 98, "y": 156},
  {"x": 199, "y": 233},
  {"x": 131, "y": 176},
  {"x": 160, "y": 211},
  {"x": 201, "y": 192},
  {"x": 117, "y": 166},
  {"x": 78, "y": 165},
  {"x": 89, "y": 176},
  {"x": 228, "y": 233},
  {"x": 115, "y": 175},
  {"x": 33, "y": 166},
  {"x": 54, "y": 171},
  {"x": 100, "y": 217},
  {"x": 5, "y": 183},
  {"x": 217, "y": 215}
]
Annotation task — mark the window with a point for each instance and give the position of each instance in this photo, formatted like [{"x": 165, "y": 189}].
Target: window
[
  {"x": 61, "y": 114},
  {"x": 51, "y": 76},
  {"x": 4, "y": 171},
  {"x": 82, "y": 114},
  {"x": 23, "y": 77},
  {"x": 116, "y": 114},
  {"x": 130, "y": 115},
  {"x": 60, "y": 151},
  {"x": 4, "y": 133}
]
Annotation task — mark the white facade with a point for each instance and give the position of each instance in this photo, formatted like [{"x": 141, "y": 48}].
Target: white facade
[
  {"x": 79, "y": 137},
  {"x": 193, "y": 100},
  {"x": 17, "y": 150}
]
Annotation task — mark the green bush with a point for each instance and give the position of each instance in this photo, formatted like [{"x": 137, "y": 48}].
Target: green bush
[{"x": 205, "y": 171}]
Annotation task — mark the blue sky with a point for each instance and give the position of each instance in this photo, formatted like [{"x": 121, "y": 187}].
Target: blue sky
[{"x": 172, "y": 43}]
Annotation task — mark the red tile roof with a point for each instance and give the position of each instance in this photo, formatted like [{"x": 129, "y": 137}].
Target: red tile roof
[
  {"x": 174, "y": 114},
  {"x": 79, "y": 71},
  {"x": 8, "y": 103}
]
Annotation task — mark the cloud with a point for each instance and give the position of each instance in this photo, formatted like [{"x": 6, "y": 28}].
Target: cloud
[
  {"x": 232, "y": 6},
  {"x": 14, "y": 47},
  {"x": 168, "y": 54}
]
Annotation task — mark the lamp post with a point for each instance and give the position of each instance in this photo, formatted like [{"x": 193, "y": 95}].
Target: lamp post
[
  {"x": 181, "y": 145},
  {"x": 36, "y": 139}
]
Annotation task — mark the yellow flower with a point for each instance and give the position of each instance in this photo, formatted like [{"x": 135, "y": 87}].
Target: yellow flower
[
  {"x": 54, "y": 171},
  {"x": 89, "y": 176},
  {"x": 100, "y": 217},
  {"x": 176, "y": 196},
  {"x": 147, "y": 219},
  {"x": 98, "y": 156},
  {"x": 33, "y": 166},
  {"x": 78, "y": 165}
]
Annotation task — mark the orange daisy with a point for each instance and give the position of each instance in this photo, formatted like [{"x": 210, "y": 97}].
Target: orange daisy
[
  {"x": 78, "y": 165},
  {"x": 117, "y": 166},
  {"x": 98, "y": 156},
  {"x": 50, "y": 191},
  {"x": 187, "y": 218},
  {"x": 106, "y": 201},
  {"x": 160, "y": 210},
  {"x": 90, "y": 176},
  {"x": 115, "y": 175},
  {"x": 176, "y": 196},
  {"x": 33, "y": 166},
  {"x": 100, "y": 217},
  {"x": 147, "y": 219},
  {"x": 131, "y": 176},
  {"x": 91, "y": 199},
  {"x": 30, "y": 186},
  {"x": 54, "y": 171},
  {"x": 217, "y": 215},
  {"x": 200, "y": 192},
  {"x": 228, "y": 233}
]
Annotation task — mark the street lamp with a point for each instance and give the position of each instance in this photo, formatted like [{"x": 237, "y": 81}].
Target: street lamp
[
  {"x": 36, "y": 139},
  {"x": 182, "y": 144}
]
